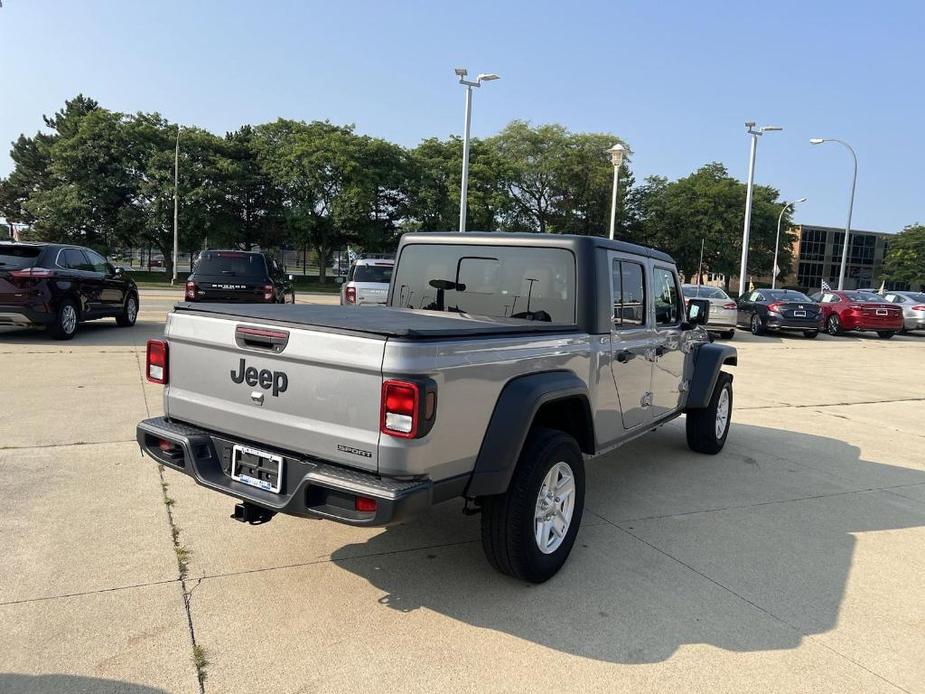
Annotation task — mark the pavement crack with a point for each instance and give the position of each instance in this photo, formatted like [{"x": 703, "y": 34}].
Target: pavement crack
[
  {"x": 83, "y": 593},
  {"x": 65, "y": 445},
  {"x": 831, "y": 404}
]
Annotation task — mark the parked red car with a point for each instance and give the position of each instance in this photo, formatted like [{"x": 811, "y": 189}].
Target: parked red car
[{"x": 843, "y": 311}]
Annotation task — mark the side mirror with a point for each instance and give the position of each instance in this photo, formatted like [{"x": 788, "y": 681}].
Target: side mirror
[
  {"x": 339, "y": 280},
  {"x": 698, "y": 312}
]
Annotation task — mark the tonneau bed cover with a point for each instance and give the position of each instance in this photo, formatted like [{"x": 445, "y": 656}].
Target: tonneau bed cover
[{"x": 376, "y": 320}]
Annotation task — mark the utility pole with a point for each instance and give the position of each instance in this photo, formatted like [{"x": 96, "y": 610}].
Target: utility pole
[{"x": 176, "y": 203}]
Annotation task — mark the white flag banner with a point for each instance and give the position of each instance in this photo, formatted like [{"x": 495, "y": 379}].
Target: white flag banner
[{"x": 776, "y": 271}]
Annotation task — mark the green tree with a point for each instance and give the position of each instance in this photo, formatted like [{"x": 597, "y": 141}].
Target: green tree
[{"x": 905, "y": 257}]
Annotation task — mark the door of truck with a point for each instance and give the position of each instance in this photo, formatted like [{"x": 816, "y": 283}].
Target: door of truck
[
  {"x": 668, "y": 366},
  {"x": 631, "y": 338}
]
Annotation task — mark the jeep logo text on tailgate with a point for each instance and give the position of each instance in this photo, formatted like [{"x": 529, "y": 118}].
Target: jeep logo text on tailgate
[{"x": 265, "y": 378}]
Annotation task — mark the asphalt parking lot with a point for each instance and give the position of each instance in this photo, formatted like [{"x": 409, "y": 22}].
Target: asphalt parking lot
[{"x": 792, "y": 561}]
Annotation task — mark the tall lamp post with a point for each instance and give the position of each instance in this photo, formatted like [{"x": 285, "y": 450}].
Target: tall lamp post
[
  {"x": 755, "y": 133},
  {"x": 176, "y": 203},
  {"x": 617, "y": 152},
  {"x": 461, "y": 73},
  {"x": 780, "y": 218},
  {"x": 854, "y": 181}
]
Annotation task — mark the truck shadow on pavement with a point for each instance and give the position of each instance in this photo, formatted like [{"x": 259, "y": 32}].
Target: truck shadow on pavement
[
  {"x": 11, "y": 683},
  {"x": 749, "y": 550}
]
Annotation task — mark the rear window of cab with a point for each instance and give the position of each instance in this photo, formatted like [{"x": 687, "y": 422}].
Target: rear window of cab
[{"x": 16, "y": 257}]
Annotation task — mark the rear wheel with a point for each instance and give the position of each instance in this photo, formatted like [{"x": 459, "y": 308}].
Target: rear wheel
[
  {"x": 756, "y": 325},
  {"x": 528, "y": 532},
  {"x": 65, "y": 325},
  {"x": 708, "y": 428},
  {"x": 886, "y": 334},
  {"x": 129, "y": 312},
  {"x": 810, "y": 334},
  {"x": 833, "y": 325}
]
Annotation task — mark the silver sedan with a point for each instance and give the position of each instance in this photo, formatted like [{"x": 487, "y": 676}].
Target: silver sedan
[
  {"x": 723, "y": 314},
  {"x": 913, "y": 306}
]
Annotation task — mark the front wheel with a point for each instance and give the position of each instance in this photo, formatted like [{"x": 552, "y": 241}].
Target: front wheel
[
  {"x": 708, "y": 428},
  {"x": 528, "y": 532},
  {"x": 129, "y": 312},
  {"x": 886, "y": 334}
]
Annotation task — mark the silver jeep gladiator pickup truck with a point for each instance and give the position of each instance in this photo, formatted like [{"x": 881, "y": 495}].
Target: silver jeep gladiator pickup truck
[{"x": 498, "y": 363}]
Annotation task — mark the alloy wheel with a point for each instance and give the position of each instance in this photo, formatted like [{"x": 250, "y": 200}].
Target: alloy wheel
[
  {"x": 131, "y": 309},
  {"x": 555, "y": 504},
  {"x": 68, "y": 319},
  {"x": 722, "y": 413},
  {"x": 832, "y": 326},
  {"x": 756, "y": 324}
]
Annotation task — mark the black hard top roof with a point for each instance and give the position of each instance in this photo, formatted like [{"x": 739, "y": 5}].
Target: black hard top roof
[{"x": 572, "y": 241}]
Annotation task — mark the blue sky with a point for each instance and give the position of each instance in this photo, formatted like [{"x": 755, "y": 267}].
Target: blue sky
[{"x": 677, "y": 80}]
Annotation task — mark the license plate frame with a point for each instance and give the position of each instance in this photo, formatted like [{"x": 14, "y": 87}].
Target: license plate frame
[
  {"x": 799, "y": 314},
  {"x": 238, "y": 451},
  {"x": 882, "y": 312}
]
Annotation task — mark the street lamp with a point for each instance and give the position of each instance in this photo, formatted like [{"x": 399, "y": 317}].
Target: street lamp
[
  {"x": 176, "y": 202},
  {"x": 755, "y": 134},
  {"x": 780, "y": 217},
  {"x": 617, "y": 152},
  {"x": 461, "y": 73},
  {"x": 854, "y": 180}
]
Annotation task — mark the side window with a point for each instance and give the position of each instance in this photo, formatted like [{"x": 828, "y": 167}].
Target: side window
[
  {"x": 629, "y": 294},
  {"x": 754, "y": 296},
  {"x": 73, "y": 259},
  {"x": 97, "y": 262},
  {"x": 667, "y": 298}
]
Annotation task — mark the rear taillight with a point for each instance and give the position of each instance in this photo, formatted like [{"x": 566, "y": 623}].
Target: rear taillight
[
  {"x": 408, "y": 408},
  {"x": 32, "y": 273},
  {"x": 190, "y": 290},
  {"x": 156, "y": 362},
  {"x": 350, "y": 295},
  {"x": 774, "y": 307},
  {"x": 919, "y": 308},
  {"x": 268, "y": 292},
  {"x": 730, "y": 305}
]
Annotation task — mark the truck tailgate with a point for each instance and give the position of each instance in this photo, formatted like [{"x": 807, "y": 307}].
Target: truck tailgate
[{"x": 317, "y": 394}]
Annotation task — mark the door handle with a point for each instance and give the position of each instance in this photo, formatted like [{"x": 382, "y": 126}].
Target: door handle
[{"x": 625, "y": 356}]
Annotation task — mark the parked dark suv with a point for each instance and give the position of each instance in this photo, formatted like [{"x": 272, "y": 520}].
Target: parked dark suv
[
  {"x": 239, "y": 276},
  {"x": 58, "y": 286}
]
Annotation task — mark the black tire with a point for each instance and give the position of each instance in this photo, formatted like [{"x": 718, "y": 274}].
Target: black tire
[
  {"x": 508, "y": 535},
  {"x": 129, "y": 313},
  {"x": 756, "y": 325},
  {"x": 886, "y": 334},
  {"x": 810, "y": 334},
  {"x": 64, "y": 326},
  {"x": 701, "y": 424},
  {"x": 833, "y": 325}
]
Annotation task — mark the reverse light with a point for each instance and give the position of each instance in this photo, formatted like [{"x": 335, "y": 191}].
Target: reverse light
[
  {"x": 408, "y": 408},
  {"x": 350, "y": 295},
  {"x": 156, "y": 362},
  {"x": 190, "y": 291}
]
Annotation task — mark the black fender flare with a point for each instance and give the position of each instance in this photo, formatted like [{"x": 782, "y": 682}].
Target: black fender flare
[
  {"x": 708, "y": 362},
  {"x": 510, "y": 423}
]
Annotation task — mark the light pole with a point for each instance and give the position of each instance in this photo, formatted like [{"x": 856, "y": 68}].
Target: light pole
[
  {"x": 176, "y": 199},
  {"x": 854, "y": 181},
  {"x": 461, "y": 73},
  {"x": 755, "y": 134},
  {"x": 617, "y": 153},
  {"x": 780, "y": 217}
]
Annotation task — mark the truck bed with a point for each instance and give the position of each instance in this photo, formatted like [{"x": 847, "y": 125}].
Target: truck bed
[{"x": 376, "y": 320}]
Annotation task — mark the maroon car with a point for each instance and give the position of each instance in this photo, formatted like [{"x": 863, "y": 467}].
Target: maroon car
[
  {"x": 844, "y": 311},
  {"x": 58, "y": 286}
]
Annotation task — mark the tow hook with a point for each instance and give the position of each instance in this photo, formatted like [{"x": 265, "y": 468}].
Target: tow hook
[{"x": 251, "y": 513}]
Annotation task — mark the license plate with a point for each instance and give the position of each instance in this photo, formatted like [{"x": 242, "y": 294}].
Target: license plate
[
  {"x": 799, "y": 314},
  {"x": 882, "y": 312},
  {"x": 257, "y": 468}
]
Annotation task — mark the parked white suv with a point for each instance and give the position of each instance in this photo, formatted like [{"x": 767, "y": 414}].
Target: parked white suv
[{"x": 367, "y": 282}]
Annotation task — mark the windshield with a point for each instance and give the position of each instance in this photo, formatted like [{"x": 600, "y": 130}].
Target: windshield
[
  {"x": 13, "y": 257},
  {"x": 231, "y": 264},
  {"x": 702, "y": 292},
  {"x": 373, "y": 273},
  {"x": 863, "y": 296},
  {"x": 785, "y": 295},
  {"x": 498, "y": 281}
]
